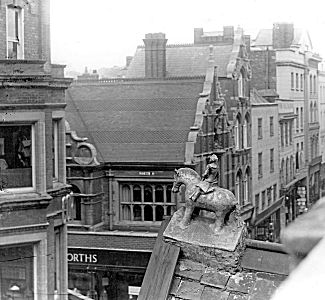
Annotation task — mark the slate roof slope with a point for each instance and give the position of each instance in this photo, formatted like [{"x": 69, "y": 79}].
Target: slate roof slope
[
  {"x": 184, "y": 60},
  {"x": 135, "y": 121}
]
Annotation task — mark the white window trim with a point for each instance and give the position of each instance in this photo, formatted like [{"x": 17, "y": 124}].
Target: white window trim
[{"x": 21, "y": 48}]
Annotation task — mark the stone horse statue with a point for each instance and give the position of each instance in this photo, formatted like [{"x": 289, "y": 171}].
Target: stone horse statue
[{"x": 220, "y": 201}]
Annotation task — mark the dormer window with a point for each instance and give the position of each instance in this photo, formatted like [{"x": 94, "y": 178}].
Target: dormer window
[{"x": 15, "y": 41}]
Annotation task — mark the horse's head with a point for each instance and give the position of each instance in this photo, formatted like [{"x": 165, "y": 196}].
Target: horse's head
[{"x": 177, "y": 182}]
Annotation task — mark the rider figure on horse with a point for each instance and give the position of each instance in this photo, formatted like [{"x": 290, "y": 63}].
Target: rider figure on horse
[{"x": 209, "y": 180}]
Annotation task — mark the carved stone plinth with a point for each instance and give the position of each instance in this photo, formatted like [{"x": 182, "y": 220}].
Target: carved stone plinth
[{"x": 199, "y": 242}]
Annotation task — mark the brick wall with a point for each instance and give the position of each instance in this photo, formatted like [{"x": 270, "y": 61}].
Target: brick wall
[
  {"x": 263, "y": 69},
  {"x": 36, "y": 28}
]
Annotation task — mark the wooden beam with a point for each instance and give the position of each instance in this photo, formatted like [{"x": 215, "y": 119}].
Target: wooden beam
[{"x": 160, "y": 270}]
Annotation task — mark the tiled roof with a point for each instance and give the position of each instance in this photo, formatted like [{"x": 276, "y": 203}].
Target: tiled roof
[
  {"x": 184, "y": 60},
  {"x": 256, "y": 98},
  {"x": 197, "y": 281},
  {"x": 135, "y": 121}
]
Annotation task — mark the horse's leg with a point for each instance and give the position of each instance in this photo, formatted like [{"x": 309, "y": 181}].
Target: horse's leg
[
  {"x": 187, "y": 215},
  {"x": 218, "y": 224}
]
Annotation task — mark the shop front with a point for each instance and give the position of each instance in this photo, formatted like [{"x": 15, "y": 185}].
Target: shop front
[
  {"x": 17, "y": 272},
  {"x": 104, "y": 274}
]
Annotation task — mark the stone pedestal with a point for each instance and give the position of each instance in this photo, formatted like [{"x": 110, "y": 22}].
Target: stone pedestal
[{"x": 199, "y": 242}]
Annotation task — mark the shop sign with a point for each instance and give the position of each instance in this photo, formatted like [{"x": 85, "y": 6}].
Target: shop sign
[
  {"x": 82, "y": 258},
  {"x": 142, "y": 173}
]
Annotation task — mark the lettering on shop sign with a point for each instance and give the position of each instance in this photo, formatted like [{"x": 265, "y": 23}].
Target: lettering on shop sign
[
  {"x": 146, "y": 173},
  {"x": 82, "y": 258}
]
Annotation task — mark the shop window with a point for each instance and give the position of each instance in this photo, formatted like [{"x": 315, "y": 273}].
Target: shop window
[
  {"x": 16, "y": 156},
  {"x": 15, "y": 38},
  {"x": 144, "y": 206},
  {"x": 17, "y": 272}
]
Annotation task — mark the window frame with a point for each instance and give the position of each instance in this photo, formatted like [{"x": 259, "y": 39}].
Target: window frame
[
  {"x": 33, "y": 160},
  {"x": 260, "y": 164},
  {"x": 166, "y": 185},
  {"x": 55, "y": 147},
  {"x": 271, "y": 126},
  {"x": 20, "y": 37},
  {"x": 272, "y": 160},
  {"x": 260, "y": 128}
]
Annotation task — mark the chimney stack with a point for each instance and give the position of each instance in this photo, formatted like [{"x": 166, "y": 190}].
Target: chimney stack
[
  {"x": 198, "y": 33},
  {"x": 283, "y": 35},
  {"x": 128, "y": 60},
  {"x": 228, "y": 33},
  {"x": 155, "y": 55}
]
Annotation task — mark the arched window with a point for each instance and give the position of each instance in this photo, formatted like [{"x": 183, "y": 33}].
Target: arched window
[
  {"x": 148, "y": 215},
  {"x": 169, "y": 194},
  {"x": 137, "y": 215},
  {"x": 76, "y": 203},
  {"x": 311, "y": 112},
  {"x": 159, "y": 213},
  {"x": 241, "y": 92},
  {"x": 245, "y": 134},
  {"x": 148, "y": 193},
  {"x": 237, "y": 133},
  {"x": 137, "y": 193},
  {"x": 159, "y": 194},
  {"x": 126, "y": 194}
]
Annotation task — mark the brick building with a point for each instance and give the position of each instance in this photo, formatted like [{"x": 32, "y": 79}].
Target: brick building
[
  {"x": 168, "y": 113},
  {"x": 285, "y": 67},
  {"x": 33, "y": 238}
]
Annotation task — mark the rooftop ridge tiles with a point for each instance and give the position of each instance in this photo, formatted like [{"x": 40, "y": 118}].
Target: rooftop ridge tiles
[{"x": 135, "y": 79}]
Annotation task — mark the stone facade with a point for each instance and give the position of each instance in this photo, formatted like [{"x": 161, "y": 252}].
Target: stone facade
[{"x": 32, "y": 155}]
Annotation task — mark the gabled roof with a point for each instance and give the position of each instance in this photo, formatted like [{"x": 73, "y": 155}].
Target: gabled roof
[
  {"x": 185, "y": 60},
  {"x": 135, "y": 121}
]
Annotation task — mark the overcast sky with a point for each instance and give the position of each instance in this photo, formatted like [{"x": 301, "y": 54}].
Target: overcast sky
[{"x": 101, "y": 33}]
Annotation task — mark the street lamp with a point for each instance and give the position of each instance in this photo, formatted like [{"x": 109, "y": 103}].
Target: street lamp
[{"x": 14, "y": 289}]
